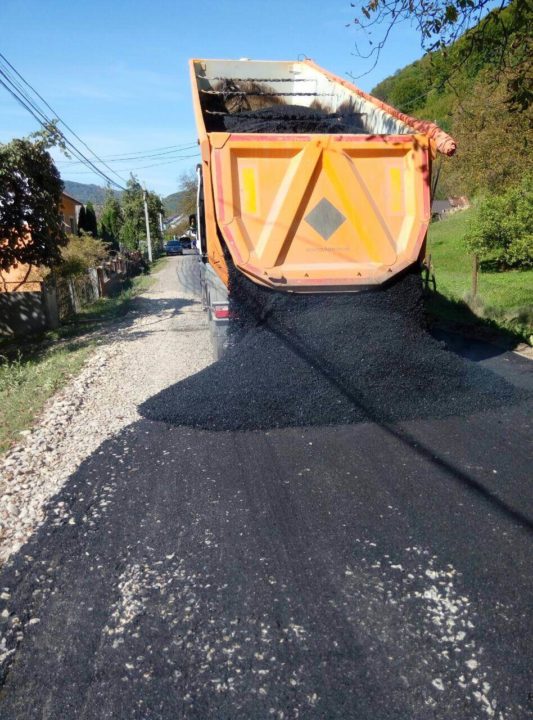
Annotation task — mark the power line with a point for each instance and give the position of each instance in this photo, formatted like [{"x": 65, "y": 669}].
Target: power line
[
  {"x": 43, "y": 120},
  {"x": 138, "y": 156},
  {"x": 155, "y": 150},
  {"x": 26, "y": 101},
  {"x": 142, "y": 167},
  {"x": 60, "y": 118}
]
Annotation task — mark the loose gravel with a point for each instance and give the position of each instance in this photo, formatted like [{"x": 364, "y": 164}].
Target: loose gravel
[{"x": 163, "y": 340}]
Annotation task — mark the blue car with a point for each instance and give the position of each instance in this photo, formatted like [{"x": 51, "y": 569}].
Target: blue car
[{"x": 173, "y": 247}]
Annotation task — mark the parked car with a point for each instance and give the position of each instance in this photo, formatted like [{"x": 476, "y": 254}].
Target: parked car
[
  {"x": 173, "y": 247},
  {"x": 186, "y": 242}
]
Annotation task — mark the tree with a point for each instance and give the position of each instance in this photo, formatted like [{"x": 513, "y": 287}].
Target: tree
[
  {"x": 87, "y": 220},
  {"x": 31, "y": 224},
  {"x": 90, "y": 219},
  {"x": 111, "y": 220},
  {"x": 186, "y": 202},
  {"x": 495, "y": 146},
  {"x": 133, "y": 230},
  {"x": 188, "y": 189},
  {"x": 155, "y": 208},
  {"x": 502, "y": 230},
  {"x": 82, "y": 220},
  {"x": 501, "y": 37}
]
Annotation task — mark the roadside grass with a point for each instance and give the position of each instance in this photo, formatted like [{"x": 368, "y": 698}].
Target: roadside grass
[
  {"x": 32, "y": 369},
  {"x": 27, "y": 382},
  {"x": 504, "y": 302}
]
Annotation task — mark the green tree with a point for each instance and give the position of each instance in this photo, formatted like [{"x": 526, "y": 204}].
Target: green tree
[
  {"x": 133, "y": 230},
  {"x": 155, "y": 209},
  {"x": 502, "y": 229},
  {"x": 495, "y": 146},
  {"x": 111, "y": 220},
  {"x": 31, "y": 225},
  {"x": 186, "y": 202},
  {"x": 82, "y": 220},
  {"x": 90, "y": 219}
]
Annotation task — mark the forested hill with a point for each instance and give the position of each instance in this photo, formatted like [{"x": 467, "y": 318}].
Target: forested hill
[
  {"x": 172, "y": 202},
  {"x": 466, "y": 93},
  {"x": 86, "y": 192}
]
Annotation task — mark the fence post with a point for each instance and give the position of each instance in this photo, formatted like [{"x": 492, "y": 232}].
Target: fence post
[
  {"x": 49, "y": 300},
  {"x": 475, "y": 273},
  {"x": 95, "y": 285}
]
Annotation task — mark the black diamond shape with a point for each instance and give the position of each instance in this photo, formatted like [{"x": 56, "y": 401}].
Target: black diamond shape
[{"x": 325, "y": 218}]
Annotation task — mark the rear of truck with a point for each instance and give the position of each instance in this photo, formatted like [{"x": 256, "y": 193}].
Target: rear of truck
[{"x": 309, "y": 211}]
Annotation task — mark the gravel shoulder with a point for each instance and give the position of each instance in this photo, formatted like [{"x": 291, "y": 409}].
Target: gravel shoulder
[{"x": 163, "y": 339}]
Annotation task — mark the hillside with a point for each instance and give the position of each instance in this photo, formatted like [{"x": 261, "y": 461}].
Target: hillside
[
  {"x": 434, "y": 86},
  {"x": 87, "y": 192},
  {"x": 172, "y": 202},
  {"x": 464, "y": 90}
]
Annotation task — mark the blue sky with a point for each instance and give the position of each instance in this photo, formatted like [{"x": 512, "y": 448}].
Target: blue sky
[{"x": 116, "y": 71}]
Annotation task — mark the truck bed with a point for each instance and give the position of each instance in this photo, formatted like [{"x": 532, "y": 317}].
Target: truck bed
[{"x": 309, "y": 211}]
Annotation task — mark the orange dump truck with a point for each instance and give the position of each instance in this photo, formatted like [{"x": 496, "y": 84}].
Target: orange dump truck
[{"x": 334, "y": 198}]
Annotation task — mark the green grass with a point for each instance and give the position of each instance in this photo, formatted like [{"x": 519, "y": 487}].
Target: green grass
[
  {"x": 27, "y": 382},
  {"x": 504, "y": 300},
  {"x": 33, "y": 369}
]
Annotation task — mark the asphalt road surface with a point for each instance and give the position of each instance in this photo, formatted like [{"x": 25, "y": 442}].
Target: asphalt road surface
[{"x": 366, "y": 571}]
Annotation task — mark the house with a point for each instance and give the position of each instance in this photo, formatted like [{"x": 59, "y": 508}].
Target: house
[
  {"x": 23, "y": 278},
  {"x": 440, "y": 208},
  {"x": 70, "y": 209},
  {"x": 173, "y": 221}
]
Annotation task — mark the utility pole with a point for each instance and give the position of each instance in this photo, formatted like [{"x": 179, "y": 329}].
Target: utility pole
[
  {"x": 161, "y": 222},
  {"x": 148, "y": 238}
]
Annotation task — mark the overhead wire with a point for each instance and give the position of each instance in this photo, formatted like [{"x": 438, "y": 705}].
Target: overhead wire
[
  {"x": 59, "y": 118},
  {"x": 142, "y": 167},
  {"x": 139, "y": 156},
  {"x": 28, "y": 103},
  {"x": 45, "y": 121}
]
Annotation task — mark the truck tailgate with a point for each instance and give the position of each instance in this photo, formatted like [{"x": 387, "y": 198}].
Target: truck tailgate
[{"x": 321, "y": 212}]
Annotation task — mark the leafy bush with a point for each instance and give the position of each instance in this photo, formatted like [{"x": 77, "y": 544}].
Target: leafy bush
[
  {"x": 502, "y": 228},
  {"x": 80, "y": 254}
]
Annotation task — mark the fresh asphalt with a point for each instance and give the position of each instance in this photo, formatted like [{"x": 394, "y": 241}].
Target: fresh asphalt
[{"x": 365, "y": 570}]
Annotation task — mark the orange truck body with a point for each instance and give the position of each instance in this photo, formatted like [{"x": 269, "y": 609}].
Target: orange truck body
[{"x": 313, "y": 212}]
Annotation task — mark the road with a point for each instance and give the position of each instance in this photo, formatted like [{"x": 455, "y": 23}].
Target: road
[{"x": 366, "y": 571}]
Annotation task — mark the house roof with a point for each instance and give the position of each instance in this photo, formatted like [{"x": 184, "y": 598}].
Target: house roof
[
  {"x": 78, "y": 202},
  {"x": 440, "y": 206}
]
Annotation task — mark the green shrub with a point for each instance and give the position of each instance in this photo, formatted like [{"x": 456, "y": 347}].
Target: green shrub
[
  {"x": 80, "y": 254},
  {"x": 502, "y": 228}
]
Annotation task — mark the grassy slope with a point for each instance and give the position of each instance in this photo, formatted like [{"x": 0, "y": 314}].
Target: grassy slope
[
  {"x": 503, "y": 297},
  {"x": 37, "y": 369}
]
